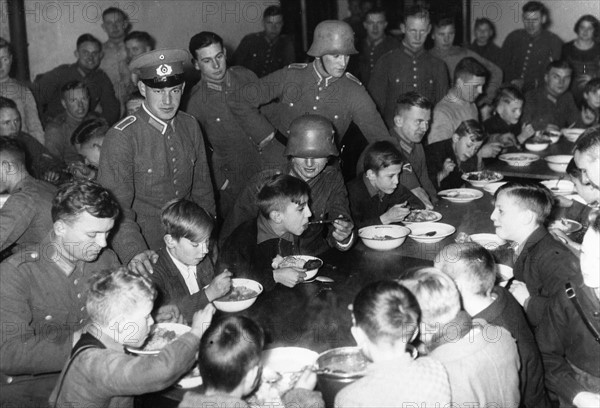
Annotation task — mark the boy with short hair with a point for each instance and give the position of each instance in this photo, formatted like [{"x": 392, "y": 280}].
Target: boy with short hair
[
  {"x": 251, "y": 250},
  {"x": 184, "y": 276},
  {"x": 99, "y": 373},
  {"x": 376, "y": 196},
  {"x": 542, "y": 264}
]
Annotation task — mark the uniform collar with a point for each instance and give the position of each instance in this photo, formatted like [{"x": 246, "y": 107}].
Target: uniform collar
[
  {"x": 219, "y": 86},
  {"x": 320, "y": 78},
  {"x": 550, "y": 97},
  {"x": 155, "y": 122},
  {"x": 411, "y": 53},
  {"x": 53, "y": 251},
  {"x": 405, "y": 144},
  {"x": 265, "y": 232}
]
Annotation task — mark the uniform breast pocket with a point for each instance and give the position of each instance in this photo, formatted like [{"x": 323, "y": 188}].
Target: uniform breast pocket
[{"x": 47, "y": 319}]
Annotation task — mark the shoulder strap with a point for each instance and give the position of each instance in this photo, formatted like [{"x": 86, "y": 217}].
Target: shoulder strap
[{"x": 571, "y": 295}]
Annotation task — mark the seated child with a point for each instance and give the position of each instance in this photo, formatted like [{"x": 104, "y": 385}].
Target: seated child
[
  {"x": 570, "y": 349},
  {"x": 473, "y": 270},
  {"x": 251, "y": 250},
  {"x": 183, "y": 275},
  {"x": 87, "y": 140},
  {"x": 231, "y": 369},
  {"x": 376, "y": 195},
  {"x": 504, "y": 125},
  {"x": 134, "y": 103},
  {"x": 449, "y": 159},
  {"x": 542, "y": 264},
  {"x": 385, "y": 317},
  {"x": 590, "y": 109},
  {"x": 99, "y": 373}
]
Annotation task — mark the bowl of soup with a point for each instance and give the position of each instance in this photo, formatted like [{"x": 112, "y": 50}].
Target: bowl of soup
[
  {"x": 383, "y": 237},
  {"x": 242, "y": 295}
]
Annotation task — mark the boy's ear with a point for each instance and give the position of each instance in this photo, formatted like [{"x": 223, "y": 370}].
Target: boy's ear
[
  {"x": 371, "y": 175},
  {"x": 59, "y": 228},
  {"x": 276, "y": 216},
  {"x": 169, "y": 240},
  {"x": 455, "y": 138}
]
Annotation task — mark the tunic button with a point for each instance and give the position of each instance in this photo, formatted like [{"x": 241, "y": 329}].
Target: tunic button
[
  {"x": 531, "y": 44},
  {"x": 82, "y": 308},
  {"x": 76, "y": 281},
  {"x": 335, "y": 116},
  {"x": 291, "y": 104},
  {"x": 314, "y": 108},
  {"x": 397, "y": 80},
  {"x": 177, "y": 192},
  {"x": 79, "y": 296},
  {"x": 415, "y": 77},
  {"x": 218, "y": 119},
  {"x": 149, "y": 170},
  {"x": 49, "y": 317},
  {"x": 174, "y": 170},
  {"x": 171, "y": 148},
  {"x": 174, "y": 159},
  {"x": 414, "y": 85},
  {"x": 317, "y": 98},
  {"x": 174, "y": 181},
  {"x": 596, "y": 314},
  {"x": 80, "y": 321},
  {"x": 415, "y": 68}
]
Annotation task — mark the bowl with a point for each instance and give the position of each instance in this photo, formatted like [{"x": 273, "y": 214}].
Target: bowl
[
  {"x": 383, "y": 237},
  {"x": 537, "y": 146},
  {"x": 482, "y": 178},
  {"x": 441, "y": 231},
  {"x": 559, "y": 162},
  {"x": 299, "y": 261},
  {"x": 492, "y": 187},
  {"x": 152, "y": 349},
  {"x": 490, "y": 242},
  {"x": 572, "y": 134},
  {"x": 559, "y": 187},
  {"x": 338, "y": 368},
  {"x": 504, "y": 272},
  {"x": 519, "y": 159},
  {"x": 285, "y": 362},
  {"x": 239, "y": 305}
]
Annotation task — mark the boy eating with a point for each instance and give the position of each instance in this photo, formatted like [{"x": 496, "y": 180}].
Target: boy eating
[
  {"x": 251, "y": 249},
  {"x": 99, "y": 373},
  {"x": 376, "y": 196},
  {"x": 542, "y": 264}
]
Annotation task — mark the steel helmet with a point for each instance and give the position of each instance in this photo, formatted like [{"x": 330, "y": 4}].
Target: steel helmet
[
  {"x": 311, "y": 136},
  {"x": 332, "y": 37}
]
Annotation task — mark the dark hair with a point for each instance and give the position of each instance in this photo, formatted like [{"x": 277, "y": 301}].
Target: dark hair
[
  {"x": 444, "y": 21},
  {"x": 589, "y": 140},
  {"x": 592, "y": 85},
  {"x": 72, "y": 85},
  {"x": 83, "y": 38},
  {"x": 531, "y": 196},
  {"x": 116, "y": 10},
  {"x": 386, "y": 311},
  {"x": 380, "y": 155},
  {"x": 533, "y": 6},
  {"x": 183, "y": 218},
  {"x": 375, "y": 10},
  {"x": 7, "y": 103},
  {"x": 559, "y": 64},
  {"x": 481, "y": 21},
  {"x": 410, "y": 99},
  {"x": 472, "y": 129},
  {"x": 279, "y": 189},
  {"x": 590, "y": 19},
  {"x": 469, "y": 263},
  {"x": 7, "y": 45},
  {"x": 203, "y": 40},
  {"x": 13, "y": 148},
  {"x": 229, "y": 348},
  {"x": 468, "y": 67},
  {"x": 77, "y": 196},
  {"x": 88, "y": 130},
  {"x": 141, "y": 36},
  {"x": 573, "y": 170},
  {"x": 507, "y": 94},
  {"x": 272, "y": 11},
  {"x": 135, "y": 96},
  {"x": 416, "y": 11}
]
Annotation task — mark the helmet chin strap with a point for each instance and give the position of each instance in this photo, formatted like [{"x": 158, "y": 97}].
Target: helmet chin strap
[{"x": 323, "y": 66}]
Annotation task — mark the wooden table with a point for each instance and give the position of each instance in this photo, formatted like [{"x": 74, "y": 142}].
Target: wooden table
[{"x": 536, "y": 170}]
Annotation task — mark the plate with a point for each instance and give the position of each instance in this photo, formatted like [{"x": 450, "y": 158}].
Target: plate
[
  {"x": 441, "y": 231},
  {"x": 3, "y": 198},
  {"x": 565, "y": 225},
  {"x": 288, "y": 361},
  {"x": 519, "y": 159},
  {"x": 434, "y": 215},
  {"x": 492, "y": 187},
  {"x": 461, "y": 195},
  {"x": 483, "y": 177},
  {"x": 576, "y": 197},
  {"x": 177, "y": 328},
  {"x": 562, "y": 187}
]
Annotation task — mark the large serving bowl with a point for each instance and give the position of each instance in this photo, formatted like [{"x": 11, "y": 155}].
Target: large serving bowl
[
  {"x": 482, "y": 178},
  {"x": 383, "y": 237},
  {"x": 299, "y": 261},
  {"x": 559, "y": 162},
  {"x": 337, "y": 368},
  {"x": 441, "y": 231},
  {"x": 572, "y": 134},
  {"x": 238, "y": 305}
]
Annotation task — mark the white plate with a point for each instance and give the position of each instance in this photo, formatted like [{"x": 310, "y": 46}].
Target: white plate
[
  {"x": 442, "y": 231},
  {"x": 438, "y": 216},
  {"x": 519, "y": 159},
  {"x": 488, "y": 241},
  {"x": 562, "y": 187},
  {"x": 464, "y": 195},
  {"x": 492, "y": 187},
  {"x": 576, "y": 197},
  {"x": 480, "y": 183},
  {"x": 565, "y": 225},
  {"x": 179, "y": 329}
]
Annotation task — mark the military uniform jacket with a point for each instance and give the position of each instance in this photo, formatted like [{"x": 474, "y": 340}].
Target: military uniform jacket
[
  {"x": 261, "y": 56},
  {"x": 402, "y": 70},
  {"x": 146, "y": 162},
  {"x": 370, "y": 54},
  {"x": 301, "y": 89},
  {"x": 41, "y": 308}
]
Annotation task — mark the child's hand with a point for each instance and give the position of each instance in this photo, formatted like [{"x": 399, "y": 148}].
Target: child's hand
[
  {"x": 289, "y": 276},
  {"x": 447, "y": 168},
  {"x": 519, "y": 290},
  {"x": 396, "y": 213},
  {"x": 142, "y": 262},
  {"x": 219, "y": 286},
  {"x": 276, "y": 261},
  {"x": 342, "y": 229},
  {"x": 527, "y": 131},
  {"x": 169, "y": 314},
  {"x": 202, "y": 319},
  {"x": 489, "y": 150}
]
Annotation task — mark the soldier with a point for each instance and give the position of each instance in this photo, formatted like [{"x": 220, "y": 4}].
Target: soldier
[
  {"x": 408, "y": 68},
  {"x": 154, "y": 156},
  {"x": 376, "y": 44}
]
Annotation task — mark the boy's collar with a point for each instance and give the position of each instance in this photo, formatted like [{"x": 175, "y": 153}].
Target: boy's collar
[
  {"x": 371, "y": 189},
  {"x": 265, "y": 231}
]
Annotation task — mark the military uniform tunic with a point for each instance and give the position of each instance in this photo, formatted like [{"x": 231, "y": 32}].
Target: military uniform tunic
[
  {"x": 301, "y": 89},
  {"x": 262, "y": 56},
  {"x": 402, "y": 70},
  {"x": 145, "y": 162},
  {"x": 370, "y": 54}
]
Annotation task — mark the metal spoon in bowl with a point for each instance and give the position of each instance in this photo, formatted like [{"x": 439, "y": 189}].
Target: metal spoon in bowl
[{"x": 425, "y": 234}]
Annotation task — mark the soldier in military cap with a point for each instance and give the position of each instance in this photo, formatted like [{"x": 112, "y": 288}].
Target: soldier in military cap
[
  {"x": 309, "y": 149},
  {"x": 43, "y": 288},
  {"x": 154, "y": 156},
  {"x": 323, "y": 87}
]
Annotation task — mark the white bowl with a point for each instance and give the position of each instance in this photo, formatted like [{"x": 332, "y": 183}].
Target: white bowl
[
  {"x": 493, "y": 177},
  {"x": 441, "y": 231},
  {"x": 177, "y": 328},
  {"x": 238, "y": 305},
  {"x": 559, "y": 187},
  {"x": 493, "y": 187},
  {"x": 488, "y": 241},
  {"x": 286, "y": 362},
  {"x": 504, "y": 272},
  {"x": 572, "y": 134},
  {"x": 537, "y": 147},
  {"x": 383, "y": 237},
  {"x": 298, "y": 261},
  {"x": 559, "y": 162}
]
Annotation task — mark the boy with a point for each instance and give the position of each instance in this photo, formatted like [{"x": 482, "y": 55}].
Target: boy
[
  {"x": 182, "y": 269},
  {"x": 250, "y": 250},
  {"x": 542, "y": 264},
  {"x": 99, "y": 373},
  {"x": 376, "y": 196},
  {"x": 231, "y": 369}
]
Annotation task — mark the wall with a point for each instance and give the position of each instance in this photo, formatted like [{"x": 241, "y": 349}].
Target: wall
[{"x": 53, "y": 26}]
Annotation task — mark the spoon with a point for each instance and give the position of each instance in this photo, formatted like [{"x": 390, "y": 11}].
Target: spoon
[
  {"x": 449, "y": 193},
  {"x": 426, "y": 234},
  {"x": 323, "y": 279},
  {"x": 555, "y": 188}
]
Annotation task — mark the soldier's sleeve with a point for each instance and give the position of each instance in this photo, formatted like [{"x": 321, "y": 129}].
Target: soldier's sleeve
[
  {"x": 365, "y": 115},
  {"x": 202, "y": 188},
  {"x": 378, "y": 83},
  {"x": 240, "y": 52},
  {"x": 271, "y": 86},
  {"x": 116, "y": 172},
  {"x": 15, "y": 218},
  {"x": 111, "y": 107},
  {"x": 25, "y": 349},
  {"x": 556, "y": 47},
  {"x": 53, "y": 140}
]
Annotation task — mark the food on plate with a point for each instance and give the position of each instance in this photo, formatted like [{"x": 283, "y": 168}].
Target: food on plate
[
  {"x": 238, "y": 293},
  {"x": 540, "y": 139},
  {"x": 421, "y": 215},
  {"x": 159, "y": 338},
  {"x": 383, "y": 237},
  {"x": 562, "y": 224},
  {"x": 313, "y": 264},
  {"x": 485, "y": 175}
]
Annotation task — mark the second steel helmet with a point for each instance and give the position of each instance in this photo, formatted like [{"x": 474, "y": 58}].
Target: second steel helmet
[
  {"x": 332, "y": 37},
  {"x": 311, "y": 136}
]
